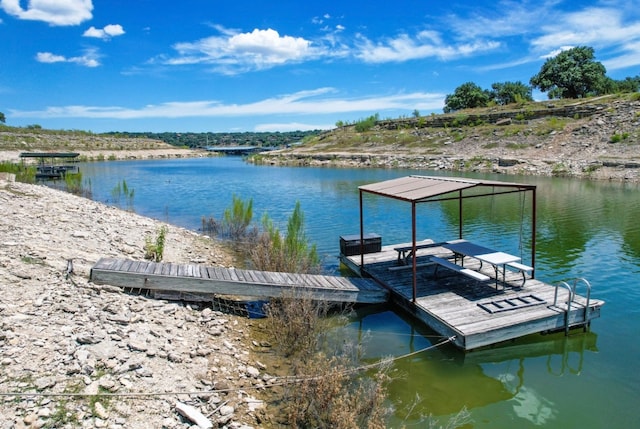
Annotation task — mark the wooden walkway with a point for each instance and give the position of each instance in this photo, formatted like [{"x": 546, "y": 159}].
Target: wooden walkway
[
  {"x": 474, "y": 312},
  {"x": 195, "y": 278}
]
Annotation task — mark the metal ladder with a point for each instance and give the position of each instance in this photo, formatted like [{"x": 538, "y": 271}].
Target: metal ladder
[{"x": 572, "y": 295}]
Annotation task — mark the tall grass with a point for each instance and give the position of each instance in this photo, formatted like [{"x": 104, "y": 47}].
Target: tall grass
[
  {"x": 266, "y": 249},
  {"x": 24, "y": 173},
  {"x": 73, "y": 184},
  {"x": 287, "y": 253},
  {"x": 120, "y": 191}
]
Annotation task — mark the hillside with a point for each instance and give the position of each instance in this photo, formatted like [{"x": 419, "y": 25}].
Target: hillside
[
  {"x": 13, "y": 141},
  {"x": 124, "y": 145},
  {"x": 597, "y": 138}
]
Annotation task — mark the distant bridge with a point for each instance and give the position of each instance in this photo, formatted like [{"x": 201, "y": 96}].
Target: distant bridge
[{"x": 236, "y": 150}]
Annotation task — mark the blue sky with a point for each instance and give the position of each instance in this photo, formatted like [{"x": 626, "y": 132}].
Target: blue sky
[{"x": 219, "y": 66}]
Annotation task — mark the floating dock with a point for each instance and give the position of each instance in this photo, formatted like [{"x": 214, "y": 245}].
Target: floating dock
[
  {"x": 51, "y": 171},
  {"x": 201, "y": 279},
  {"x": 475, "y": 313}
]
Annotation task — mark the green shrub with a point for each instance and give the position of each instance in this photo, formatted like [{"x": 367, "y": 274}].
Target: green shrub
[
  {"x": 366, "y": 124},
  {"x": 460, "y": 120},
  {"x": 154, "y": 249},
  {"x": 286, "y": 253},
  {"x": 618, "y": 137}
]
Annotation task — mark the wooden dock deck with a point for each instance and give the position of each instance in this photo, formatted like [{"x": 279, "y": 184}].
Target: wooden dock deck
[
  {"x": 475, "y": 312},
  {"x": 199, "y": 279}
]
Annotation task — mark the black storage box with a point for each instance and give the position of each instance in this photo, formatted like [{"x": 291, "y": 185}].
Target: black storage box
[{"x": 350, "y": 244}]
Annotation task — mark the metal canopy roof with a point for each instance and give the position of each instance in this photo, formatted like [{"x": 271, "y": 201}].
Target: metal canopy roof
[
  {"x": 418, "y": 189},
  {"x": 422, "y": 188}
]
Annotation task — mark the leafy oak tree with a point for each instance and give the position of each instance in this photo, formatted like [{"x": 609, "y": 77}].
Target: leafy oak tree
[
  {"x": 2, "y": 118},
  {"x": 504, "y": 93},
  {"x": 573, "y": 73},
  {"x": 466, "y": 96}
]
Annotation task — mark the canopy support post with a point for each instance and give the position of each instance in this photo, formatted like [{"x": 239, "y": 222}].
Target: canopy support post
[
  {"x": 460, "y": 220},
  {"x": 533, "y": 232},
  {"x": 413, "y": 242},
  {"x": 361, "y": 236}
]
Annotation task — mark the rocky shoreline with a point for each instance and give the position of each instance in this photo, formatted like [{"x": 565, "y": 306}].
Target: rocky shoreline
[
  {"x": 62, "y": 335},
  {"x": 600, "y": 142}
]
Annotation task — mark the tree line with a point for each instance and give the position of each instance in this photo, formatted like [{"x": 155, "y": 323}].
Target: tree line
[
  {"x": 201, "y": 140},
  {"x": 573, "y": 73}
]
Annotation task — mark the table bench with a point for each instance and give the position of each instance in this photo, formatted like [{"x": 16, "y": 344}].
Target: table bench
[
  {"x": 522, "y": 268},
  {"x": 457, "y": 268},
  {"x": 497, "y": 259},
  {"x": 402, "y": 250}
]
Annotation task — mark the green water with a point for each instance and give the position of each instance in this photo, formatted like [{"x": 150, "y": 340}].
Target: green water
[{"x": 585, "y": 229}]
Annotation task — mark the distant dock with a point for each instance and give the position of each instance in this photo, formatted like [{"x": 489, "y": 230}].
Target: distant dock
[{"x": 48, "y": 169}]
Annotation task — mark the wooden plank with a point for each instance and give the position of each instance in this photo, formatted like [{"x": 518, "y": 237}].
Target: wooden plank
[
  {"x": 204, "y": 272},
  {"x": 151, "y": 267},
  {"x": 125, "y": 267},
  {"x": 213, "y": 273},
  {"x": 233, "y": 275},
  {"x": 174, "y": 270},
  {"x": 181, "y": 270},
  {"x": 259, "y": 277},
  {"x": 143, "y": 267}
]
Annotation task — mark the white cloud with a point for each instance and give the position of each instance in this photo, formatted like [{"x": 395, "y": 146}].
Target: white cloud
[
  {"x": 598, "y": 27},
  {"x": 233, "y": 52},
  {"x": 630, "y": 58},
  {"x": 426, "y": 44},
  {"x": 508, "y": 18},
  {"x": 612, "y": 29},
  {"x": 311, "y": 102},
  {"x": 89, "y": 59},
  {"x": 109, "y": 31},
  {"x": 53, "y": 12},
  {"x": 589, "y": 27}
]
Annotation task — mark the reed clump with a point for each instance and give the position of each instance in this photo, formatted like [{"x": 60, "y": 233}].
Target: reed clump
[{"x": 266, "y": 248}]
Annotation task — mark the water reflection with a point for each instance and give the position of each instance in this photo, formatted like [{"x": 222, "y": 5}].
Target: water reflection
[{"x": 447, "y": 379}]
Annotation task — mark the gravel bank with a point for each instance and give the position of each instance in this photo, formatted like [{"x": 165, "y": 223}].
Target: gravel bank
[{"x": 61, "y": 333}]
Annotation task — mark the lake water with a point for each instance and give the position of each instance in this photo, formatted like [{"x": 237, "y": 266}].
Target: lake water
[{"x": 585, "y": 229}]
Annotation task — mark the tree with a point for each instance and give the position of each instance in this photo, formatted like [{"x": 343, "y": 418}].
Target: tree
[
  {"x": 629, "y": 84},
  {"x": 505, "y": 93},
  {"x": 2, "y": 118},
  {"x": 466, "y": 96},
  {"x": 571, "y": 74}
]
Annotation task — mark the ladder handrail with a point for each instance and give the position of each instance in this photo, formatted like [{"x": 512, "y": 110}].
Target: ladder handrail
[
  {"x": 568, "y": 310},
  {"x": 575, "y": 289}
]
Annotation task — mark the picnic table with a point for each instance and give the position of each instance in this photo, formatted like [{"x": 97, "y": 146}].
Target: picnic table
[
  {"x": 405, "y": 252},
  {"x": 497, "y": 259}
]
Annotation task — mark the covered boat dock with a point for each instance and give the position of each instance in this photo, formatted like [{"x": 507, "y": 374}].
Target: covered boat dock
[{"x": 467, "y": 291}]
